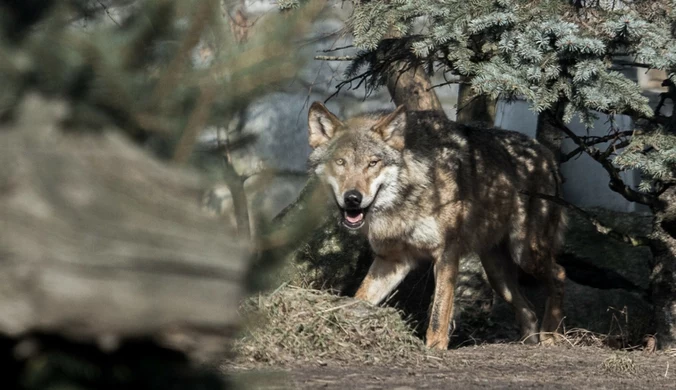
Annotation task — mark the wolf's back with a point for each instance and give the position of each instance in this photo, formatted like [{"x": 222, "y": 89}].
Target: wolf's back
[{"x": 531, "y": 172}]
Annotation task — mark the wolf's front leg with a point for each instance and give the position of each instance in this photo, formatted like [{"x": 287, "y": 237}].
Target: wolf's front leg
[
  {"x": 445, "y": 275},
  {"x": 384, "y": 276}
]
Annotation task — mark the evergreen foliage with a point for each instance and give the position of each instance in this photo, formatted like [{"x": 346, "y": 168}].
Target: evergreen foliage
[
  {"x": 654, "y": 153},
  {"x": 549, "y": 52},
  {"x": 529, "y": 49}
]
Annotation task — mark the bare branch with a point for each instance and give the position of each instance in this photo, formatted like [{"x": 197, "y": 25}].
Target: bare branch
[
  {"x": 196, "y": 122},
  {"x": 630, "y": 63},
  {"x": 454, "y": 80},
  {"x": 108, "y": 13},
  {"x": 336, "y": 49},
  {"x": 594, "y": 140},
  {"x": 235, "y": 184},
  {"x": 335, "y": 58},
  {"x": 362, "y": 77},
  {"x": 263, "y": 171},
  {"x": 616, "y": 183},
  {"x": 614, "y": 147},
  {"x": 575, "y": 153}
]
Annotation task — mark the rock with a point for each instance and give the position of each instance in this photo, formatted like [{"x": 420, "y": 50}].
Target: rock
[
  {"x": 613, "y": 312},
  {"x": 586, "y": 248},
  {"x": 266, "y": 196}
]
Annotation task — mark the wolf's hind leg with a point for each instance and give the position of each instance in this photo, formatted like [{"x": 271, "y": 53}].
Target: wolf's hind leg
[
  {"x": 383, "y": 276},
  {"x": 503, "y": 275},
  {"x": 553, "y": 317}
]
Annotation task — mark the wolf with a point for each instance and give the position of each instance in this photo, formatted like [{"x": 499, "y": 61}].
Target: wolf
[{"x": 422, "y": 187}]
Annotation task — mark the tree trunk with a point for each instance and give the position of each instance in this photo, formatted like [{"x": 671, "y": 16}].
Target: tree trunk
[
  {"x": 412, "y": 88},
  {"x": 547, "y": 133},
  {"x": 663, "y": 283},
  {"x": 474, "y": 108}
]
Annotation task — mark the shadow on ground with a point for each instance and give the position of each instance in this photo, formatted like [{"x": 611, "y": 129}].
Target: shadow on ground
[{"x": 494, "y": 366}]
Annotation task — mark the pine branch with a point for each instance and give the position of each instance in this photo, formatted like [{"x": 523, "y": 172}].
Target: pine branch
[{"x": 108, "y": 13}]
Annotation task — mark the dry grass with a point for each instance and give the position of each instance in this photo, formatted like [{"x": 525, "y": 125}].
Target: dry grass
[
  {"x": 294, "y": 325},
  {"x": 578, "y": 337},
  {"x": 619, "y": 364},
  {"x": 294, "y": 330}
]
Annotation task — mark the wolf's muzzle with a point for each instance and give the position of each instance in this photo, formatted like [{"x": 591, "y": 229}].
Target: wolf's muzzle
[
  {"x": 352, "y": 199},
  {"x": 353, "y": 214}
]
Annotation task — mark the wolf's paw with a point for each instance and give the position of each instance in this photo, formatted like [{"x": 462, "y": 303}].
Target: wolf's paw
[
  {"x": 439, "y": 343},
  {"x": 530, "y": 339},
  {"x": 551, "y": 338}
]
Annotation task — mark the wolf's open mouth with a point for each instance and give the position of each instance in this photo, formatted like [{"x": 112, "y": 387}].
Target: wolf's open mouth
[{"x": 354, "y": 218}]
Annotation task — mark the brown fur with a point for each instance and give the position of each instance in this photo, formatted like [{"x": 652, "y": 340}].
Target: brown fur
[{"x": 436, "y": 190}]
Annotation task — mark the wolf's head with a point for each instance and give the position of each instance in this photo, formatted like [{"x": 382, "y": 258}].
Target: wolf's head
[{"x": 360, "y": 159}]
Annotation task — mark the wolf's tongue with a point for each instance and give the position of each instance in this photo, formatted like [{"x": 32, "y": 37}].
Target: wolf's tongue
[{"x": 354, "y": 218}]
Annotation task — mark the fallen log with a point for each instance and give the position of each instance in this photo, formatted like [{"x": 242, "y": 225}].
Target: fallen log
[{"x": 99, "y": 242}]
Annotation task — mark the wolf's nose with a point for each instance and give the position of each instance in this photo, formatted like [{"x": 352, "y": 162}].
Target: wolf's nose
[{"x": 352, "y": 199}]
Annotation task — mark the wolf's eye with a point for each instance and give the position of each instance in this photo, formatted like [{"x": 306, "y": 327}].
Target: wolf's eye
[
  {"x": 374, "y": 163},
  {"x": 340, "y": 161}
]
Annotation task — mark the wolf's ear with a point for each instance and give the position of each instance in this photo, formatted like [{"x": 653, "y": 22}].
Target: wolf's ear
[
  {"x": 322, "y": 125},
  {"x": 392, "y": 128}
]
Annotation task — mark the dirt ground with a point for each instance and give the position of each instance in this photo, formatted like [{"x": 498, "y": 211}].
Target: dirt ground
[{"x": 490, "y": 366}]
